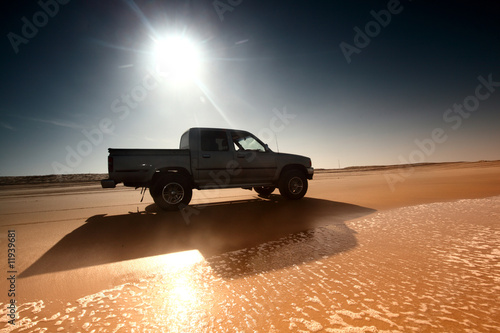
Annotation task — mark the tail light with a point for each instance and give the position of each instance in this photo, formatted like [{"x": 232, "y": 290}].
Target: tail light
[{"x": 110, "y": 164}]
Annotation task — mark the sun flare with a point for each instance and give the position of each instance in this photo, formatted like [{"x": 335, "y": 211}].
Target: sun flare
[{"x": 177, "y": 58}]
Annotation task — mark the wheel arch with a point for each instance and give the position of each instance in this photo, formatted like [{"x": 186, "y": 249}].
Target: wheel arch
[{"x": 289, "y": 167}]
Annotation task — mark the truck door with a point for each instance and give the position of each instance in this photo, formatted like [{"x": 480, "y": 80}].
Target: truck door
[
  {"x": 214, "y": 157},
  {"x": 257, "y": 162}
]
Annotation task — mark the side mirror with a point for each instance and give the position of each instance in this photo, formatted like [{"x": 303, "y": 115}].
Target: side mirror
[{"x": 266, "y": 147}]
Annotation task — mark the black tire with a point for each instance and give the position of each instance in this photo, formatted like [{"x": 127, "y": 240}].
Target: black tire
[
  {"x": 171, "y": 191},
  {"x": 293, "y": 184},
  {"x": 264, "y": 190}
]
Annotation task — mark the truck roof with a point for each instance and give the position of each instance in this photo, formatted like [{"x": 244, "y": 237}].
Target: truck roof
[{"x": 216, "y": 128}]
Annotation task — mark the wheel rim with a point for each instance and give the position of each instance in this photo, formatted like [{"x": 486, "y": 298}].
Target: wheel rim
[
  {"x": 295, "y": 185},
  {"x": 172, "y": 193}
]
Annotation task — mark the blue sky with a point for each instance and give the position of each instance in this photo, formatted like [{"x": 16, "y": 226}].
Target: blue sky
[{"x": 355, "y": 83}]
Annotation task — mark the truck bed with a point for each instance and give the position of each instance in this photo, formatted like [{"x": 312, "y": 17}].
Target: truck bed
[
  {"x": 136, "y": 167},
  {"x": 146, "y": 152}
]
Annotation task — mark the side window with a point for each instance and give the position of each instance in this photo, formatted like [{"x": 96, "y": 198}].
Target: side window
[
  {"x": 245, "y": 141},
  {"x": 214, "y": 140}
]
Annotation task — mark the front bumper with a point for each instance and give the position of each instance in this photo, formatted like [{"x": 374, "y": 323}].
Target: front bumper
[{"x": 108, "y": 183}]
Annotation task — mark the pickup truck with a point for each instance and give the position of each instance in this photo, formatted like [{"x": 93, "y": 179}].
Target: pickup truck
[{"x": 209, "y": 158}]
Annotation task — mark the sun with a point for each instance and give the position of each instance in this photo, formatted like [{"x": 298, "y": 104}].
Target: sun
[{"x": 177, "y": 58}]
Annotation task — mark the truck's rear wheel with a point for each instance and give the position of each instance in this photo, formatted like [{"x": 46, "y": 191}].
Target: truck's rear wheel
[
  {"x": 264, "y": 190},
  {"x": 293, "y": 184},
  {"x": 171, "y": 192}
]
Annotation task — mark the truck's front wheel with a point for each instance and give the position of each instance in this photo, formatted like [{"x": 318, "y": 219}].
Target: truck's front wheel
[
  {"x": 293, "y": 184},
  {"x": 171, "y": 192}
]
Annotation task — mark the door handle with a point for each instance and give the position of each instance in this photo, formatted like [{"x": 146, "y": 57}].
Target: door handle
[
  {"x": 205, "y": 155},
  {"x": 240, "y": 155}
]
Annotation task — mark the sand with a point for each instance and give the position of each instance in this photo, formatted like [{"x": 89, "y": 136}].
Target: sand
[{"x": 417, "y": 253}]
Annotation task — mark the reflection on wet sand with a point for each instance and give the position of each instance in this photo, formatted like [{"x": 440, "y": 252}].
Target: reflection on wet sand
[
  {"x": 425, "y": 268},
  {"x": 415, "y": 269}
]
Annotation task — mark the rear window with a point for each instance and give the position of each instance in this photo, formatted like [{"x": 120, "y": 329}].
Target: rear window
[{"x": 214, "y": 140}]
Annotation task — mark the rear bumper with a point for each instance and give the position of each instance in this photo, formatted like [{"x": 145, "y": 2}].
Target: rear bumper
[
  {"x": 310, "y": 173},
  {"x": 108, "y": 183}
]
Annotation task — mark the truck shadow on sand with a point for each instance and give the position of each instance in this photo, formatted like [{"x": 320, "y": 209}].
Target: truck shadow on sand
[{"x": 236, "y": 238}]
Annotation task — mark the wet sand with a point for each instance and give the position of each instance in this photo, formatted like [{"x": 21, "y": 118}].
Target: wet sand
[{"x": 355, "y": 255}]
